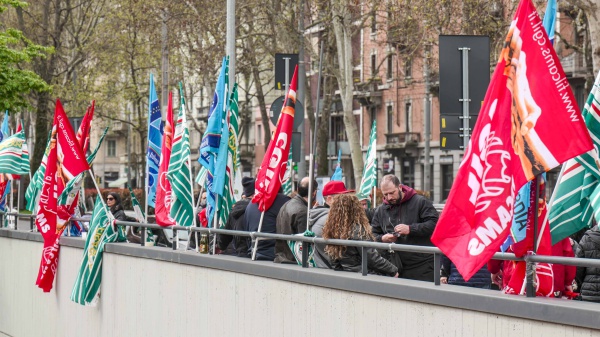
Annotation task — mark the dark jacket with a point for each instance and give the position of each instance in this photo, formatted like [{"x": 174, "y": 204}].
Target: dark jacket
[
  {"x": 419, "y": 214},
  {"x": 588, "y": 278},
  {"x": 291, "y": 220},
  {"x": 370, "y": 212},
  {"x": 481, "y": 279},
  {"x": 235, "y": 221},
  {"x": 317, "y": 219},
  {"x": 266, "y": 248},
  {"x": 352, "y": 257}
]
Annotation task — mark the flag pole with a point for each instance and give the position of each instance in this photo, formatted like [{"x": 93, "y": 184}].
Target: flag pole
[
  {"x": 374, "y": 196},
  {"x": 106, "y": 209},
  {"x": 215, "y": 223},
  {"x": 262, "y": 216}
]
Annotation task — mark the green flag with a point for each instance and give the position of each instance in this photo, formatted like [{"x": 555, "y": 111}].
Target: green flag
[
  {"x": 35, "y": 185},
  {"x": 369, "y": 179},
  {"x": 227, "y": 200},
  {"x": 182, "y": 208},
  {"x": 139, "y": 214},
  {"x": 14, "y": 158},
  {"x": 575, "y": 195},
  {"x": 87, "y": 283},
  {"x": 287, "y": 178}
]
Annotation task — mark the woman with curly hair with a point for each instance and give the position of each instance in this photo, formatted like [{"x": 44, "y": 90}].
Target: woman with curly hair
[{"x": 347, "y": 221}]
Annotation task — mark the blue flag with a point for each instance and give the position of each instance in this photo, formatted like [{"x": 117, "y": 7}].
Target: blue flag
[
  {"x": 337, "y": 174},
  {"x": 155, "y": 135},
  {"x": 211, "y": 141},
  {"x": 4, "y": 133},
  {"x": 550, "y": 19}
]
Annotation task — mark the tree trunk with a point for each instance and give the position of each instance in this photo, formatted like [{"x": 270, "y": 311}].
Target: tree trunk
[
  {"x": 322, "y": 136},
  {"x": 593, "y": 18},
  {"x": 342, "y": 25}
]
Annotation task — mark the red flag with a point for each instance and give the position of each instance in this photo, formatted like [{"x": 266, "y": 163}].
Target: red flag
[
  {"x": 163, "y": 190},
  {"x": 528, "y": 124},
  {"x": 83, "y": 134},
  {"x": 65, "y": 161},
  {"x": 272, "y": 170}
]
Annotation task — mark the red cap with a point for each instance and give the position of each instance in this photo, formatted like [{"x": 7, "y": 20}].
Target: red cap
[{"x": 335, "y": 187}]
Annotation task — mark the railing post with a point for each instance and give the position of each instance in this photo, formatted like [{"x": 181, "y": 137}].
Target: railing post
[
  {"x": 175, "y": 239},
  {"x": 142, "y": 235},
  {"x": 305, "y": 248},
  {"x": 363, "y": 264},
  {"x": 529, "y": 272},
  {"x": 31, "y": 222},
  {"x": 437, "y": 265},
  {"x": 1, "y": 220}
]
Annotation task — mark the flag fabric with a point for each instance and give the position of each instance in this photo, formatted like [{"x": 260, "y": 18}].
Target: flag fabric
[
  {"x": 25, "y": 152},
  {"x": 228, "y": 161},
  {"x": 4, "y": 133},
  {"x": 287, "y": 179},
  {"x": 163, "y": 189},
  {"x": 369, "y": 179},
  {"x": 201, "y": 177},
  {"x": 14, "y": 157},
  {"x": 65, "y": 161},
  {"x": 155, "y": 135},
  {"x": 274, "y": 164},
  {"x": 87, "y": 284},
  {"x": 211, "y": 141},
  {"x": 35, "y": 185},
  {"x": 182, "y": 200},
  {"x": 572, "y": 205},
  {"x": 337, "y": 174},
  {"x": 529, "y": 123},
  {"x": 550, "y": 19}
]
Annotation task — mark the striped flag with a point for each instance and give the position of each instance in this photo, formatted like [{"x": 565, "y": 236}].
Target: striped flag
[
  {"x": 155, "y": 134},
  {"x": 139, "y": 215},
  {"x": 369, "y": 179},
  {"x": 87, "y": 284},
  {"x": 287, "y": 179},
  {"x": 572, "y": 206},
  {"x": 35, "y": 185},
  {"x": 182, "y": 205},
  {"x": 228, "y": 161},
  {"x": 25, "y": 153},
  {"x": 14, "y": 158},
  {"x": 337, "y": 174}
]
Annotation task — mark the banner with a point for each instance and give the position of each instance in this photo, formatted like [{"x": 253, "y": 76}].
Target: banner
[
  {"x": 155, "y": 134},
  {"x": 274, "y": 165},
  {"x": 163, "y": 191},
  {"x": 528, "y": 124},
  {"x": 369, "y": 179}
]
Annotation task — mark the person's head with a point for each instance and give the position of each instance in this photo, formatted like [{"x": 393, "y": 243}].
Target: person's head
[
  {"x": 248, "y": 185},
  {"x": 364, "y": 203},
  {"x": 303, "y": 187},
  {"x": 332, "y": 189},
  {"x": 346, "y": 219},
  {"x": 391, "y": 189},
  {"x": 113, "y": 199},
  {"x": 203, "y": 199}
]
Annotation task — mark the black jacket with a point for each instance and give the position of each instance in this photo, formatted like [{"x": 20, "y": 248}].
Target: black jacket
[
  {"x": 419, "y": 214},
  {"x": 235, "y": 221},
  {"x": 291, "y": 220},
  {"x": 481, "y": 279},
  {"x": 588, "y": 278},
  {"x": 352, "y": 257},
  {"x": 266, "y": 248}
]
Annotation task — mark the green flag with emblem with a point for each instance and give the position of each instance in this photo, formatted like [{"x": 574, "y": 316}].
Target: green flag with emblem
[
  {"x": 369, "y": 178},
  {"x": 227, "y": 199},
  {"x": 287, "y": 178},
  {"x": 14, "y": 158},
  {"x": 35, "y": 185}
]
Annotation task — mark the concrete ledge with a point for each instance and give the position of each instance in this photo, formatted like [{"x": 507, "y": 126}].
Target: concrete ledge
[{"x": 574, "y": 313}]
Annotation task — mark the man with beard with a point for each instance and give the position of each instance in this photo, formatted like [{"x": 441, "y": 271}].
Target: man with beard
[{"x": 405, "y": 218}]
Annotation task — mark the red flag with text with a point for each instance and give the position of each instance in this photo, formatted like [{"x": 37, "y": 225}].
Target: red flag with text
[
  {"x": 529, "y": 123},
  {"x": 65, "y": 161},
  {"x": 274, "y": 165},
  {"x": 163, "y": 190}
]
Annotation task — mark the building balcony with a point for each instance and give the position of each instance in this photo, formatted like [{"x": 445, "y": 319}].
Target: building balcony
[
  {"x": 368, "y": 93},
  {"x": 574, "y": 65},
  {"x": 402, "y": 140}
]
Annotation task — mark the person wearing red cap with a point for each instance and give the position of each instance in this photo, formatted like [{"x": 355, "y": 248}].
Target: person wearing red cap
[
  {"x": 318, "y": 216},
  {"x": 405, "y": 218}
]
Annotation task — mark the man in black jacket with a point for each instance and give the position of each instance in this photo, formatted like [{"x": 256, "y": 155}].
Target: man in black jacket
[
  {"x": 406, "y": 218},
  {"x": 265, "y": 248},
  {"x": 236, "y": 221},
  {"x": 292, "y": 220}
]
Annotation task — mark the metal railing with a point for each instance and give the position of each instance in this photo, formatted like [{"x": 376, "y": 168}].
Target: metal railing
[{"x": 363, "y": 245}]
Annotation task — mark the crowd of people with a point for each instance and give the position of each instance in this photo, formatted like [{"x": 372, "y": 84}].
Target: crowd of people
[{"x": 404, "y": 217}]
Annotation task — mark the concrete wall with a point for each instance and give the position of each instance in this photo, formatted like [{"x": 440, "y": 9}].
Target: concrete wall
[{"x": 157, "y": 292}]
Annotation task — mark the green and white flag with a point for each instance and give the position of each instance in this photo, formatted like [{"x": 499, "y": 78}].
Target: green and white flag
[
  {"x": 227, "y": 200},
  {"x": 201, "y": 177},
  {"x": 287, "y": 177},
  {"x": 575, "y": 196},
  {"x": 369, "y": 179},
  {"x": 87, "y": 284},
  {"x": 14, "y": 158},
  {"x": 139, "y": 214},
  {"x": 182, "y": 206},
  {"x": 74, "y": 185},
  {"x": 32, "y": 193}
]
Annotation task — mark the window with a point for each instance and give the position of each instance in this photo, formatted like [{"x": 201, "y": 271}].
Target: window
[
  {"x": 373, "y": 64},
  {"x": 407, "y": 117},
  {"x": 374, "y": 23},
  {"x": 447, "y": 180},
  {"x": 337, "y": 130},
  {"x": 408, "y": 172},
  {"x": 390, "y": 63},
  {"x": 111, "y": 148},
  {"x": 259, "y": 136},
  {"x": 390, "y": 118},
  {"x": 408, "y": 68}
]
